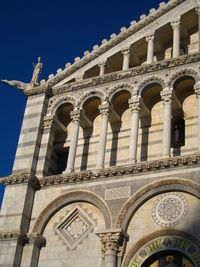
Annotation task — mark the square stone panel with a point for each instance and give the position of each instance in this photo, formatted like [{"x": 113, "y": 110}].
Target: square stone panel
[{"x": 75, "y": 227}]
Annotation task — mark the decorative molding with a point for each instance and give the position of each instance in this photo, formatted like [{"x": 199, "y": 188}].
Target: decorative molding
[
  {"x": 137, "y": 168},
  {"x": 20, "y": 178},
  {"x": 117, "y": 193},
  {"x": 133, "y": 72},
  {"x": 113, "y": 242},
  {"x": 13, "y": 236},
  {"x": 161, "y": 241}
]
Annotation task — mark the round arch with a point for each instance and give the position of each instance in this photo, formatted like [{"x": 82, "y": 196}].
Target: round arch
[
  {"x": 90, "y": 94},
  {"x": 181, "y": 73},
  {"x": 150, "y": 190},
  {"x": 61, "y": 101},
  {"x": 69, "y": 198},
  {"x": 149, "y": 81},
  {"x": 164, "y": 240},
  {"x": 120, "y": 87}
]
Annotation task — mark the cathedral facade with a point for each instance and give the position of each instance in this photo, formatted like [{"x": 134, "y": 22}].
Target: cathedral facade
[{"x": 107, "y": 166}]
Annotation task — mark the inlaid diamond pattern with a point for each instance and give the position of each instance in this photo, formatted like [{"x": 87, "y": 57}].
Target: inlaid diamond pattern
[{"x": 75, "y": 227}]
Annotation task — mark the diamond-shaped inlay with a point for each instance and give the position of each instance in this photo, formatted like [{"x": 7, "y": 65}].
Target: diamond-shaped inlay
[{"x": 75, "y": 227}]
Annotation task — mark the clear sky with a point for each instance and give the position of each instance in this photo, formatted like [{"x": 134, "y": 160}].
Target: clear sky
[{"x": 58, "y": 31}]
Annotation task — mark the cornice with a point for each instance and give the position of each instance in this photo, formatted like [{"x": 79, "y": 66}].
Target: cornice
[
  {"x": 20, "y": 178},
  {"x": 132, "y": 169},
  {"x": 79, "y": 63}
]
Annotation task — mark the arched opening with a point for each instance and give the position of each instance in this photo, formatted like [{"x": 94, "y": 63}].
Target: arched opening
[
  {"x": 89, "y": 136},
  {"x": 184, "y": 117},
  {"x": 119, "y": 129},
  {"x": 168, "y": 259},
  {"x": 151, "y": 123}
]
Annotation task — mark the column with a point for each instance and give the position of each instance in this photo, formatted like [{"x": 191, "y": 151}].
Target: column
[
  {"x": 113, "y": 244},
  {"x": 198, "y": 14},
  {"x": 135, "y": 107},
  {"x": 197, "y": 91},
  {"x": 102, "y": 68},
  {"x": 166, "y": 96},
  {"x": 75, "y": 115},
  {"x": 176, "y": 37},
  {"x": 150, "y": 49},
  {"x": 126, "y": 58},
  {"x": 104, "y": 110}
]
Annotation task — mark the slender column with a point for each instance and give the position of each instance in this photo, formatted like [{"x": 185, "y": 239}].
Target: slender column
[
  {"x": 75, "y": 115},
  {"x": 102, "y": 68},
  {"x": 198, "y": 14},
  {"x": 113, "y": 247},
  {"x": 150, "y": 49},
  {"x": 104, "y": 110},
  {"x": 167, "y": 101},
  {"x": 126, "y": 58},
  {"x": 176, "y": 37},
  {"x": 197, "y": 91},
  {"x": 135, "y": 107}
]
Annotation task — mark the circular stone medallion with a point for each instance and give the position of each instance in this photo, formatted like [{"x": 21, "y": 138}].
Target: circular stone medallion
[{"x": 169, "y": 209}]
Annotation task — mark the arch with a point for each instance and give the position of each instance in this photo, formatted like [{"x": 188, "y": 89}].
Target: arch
[
  {"x": 69, "y": 198},
  {"x": 120, "y": 87},
  {"x": 91, "y": 93},
  {"x": 151, "y": 80},
  {"x": 150, "y": 190},
  {"x": 59, "y": 102},
  {"x": 181, "y": 73},
  {"x": 166, "y": 240}
]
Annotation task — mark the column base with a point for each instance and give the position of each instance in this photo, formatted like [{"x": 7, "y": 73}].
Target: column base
[{"x": 68, "y": 171}]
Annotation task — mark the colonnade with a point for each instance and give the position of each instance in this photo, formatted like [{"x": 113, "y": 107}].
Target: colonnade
[
  {"x": 150, "y": 38},
  {"x": 135, "y": 105}
]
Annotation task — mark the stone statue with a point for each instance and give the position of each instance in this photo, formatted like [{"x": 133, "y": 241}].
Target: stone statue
[
  {"x": 34, "y": 82},
  {"x": 37, "y": 71},
  {"x": 177, "y": 142},
  {"x": 20, "y": 85}
]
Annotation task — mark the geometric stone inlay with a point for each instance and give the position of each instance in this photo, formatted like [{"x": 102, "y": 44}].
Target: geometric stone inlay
[
  {"x": 169, "y": 209},
  {"x": 75, "y": 227},
  {"x": 117, "y": 193}
]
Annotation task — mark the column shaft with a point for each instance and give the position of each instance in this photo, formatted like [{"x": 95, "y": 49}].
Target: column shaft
[
  {"x": 74, "y": 141},
  {"x": 197, "y": 91},
  {"x": 104, "y": 109},
  {"x": 150, "y": 49},
  {"x": 110, "y": 260},
  {"x": 135, "y": 110},
  {"x": 126, "y": 59},
  {"x": 167, "y": 97},
  {"x": 176, "y": 38},
  {"x": 102, "y": 69}
]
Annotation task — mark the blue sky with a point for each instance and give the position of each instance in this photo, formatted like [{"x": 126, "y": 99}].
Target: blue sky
[{"x": 58, "y": 31}]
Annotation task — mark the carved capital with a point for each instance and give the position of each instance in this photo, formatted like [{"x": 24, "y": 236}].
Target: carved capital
[
  {"x": 49, "y": 123},
  {"x": 113, "y": 242},
  {"x": 126, "y": 51},
  {"x": 166, "y": 95},
  {"x": 150, "y": 37},
  {"x": 105, "y": 109},
  {"x": 135, "y": 104},
  {"x": 197, "y": 9},
  {"x": 176, "y": 24},
  {"x": 75, "y": 115},
  {"x": 36, "y": 239},
  {"x": 197, "y": 89}
]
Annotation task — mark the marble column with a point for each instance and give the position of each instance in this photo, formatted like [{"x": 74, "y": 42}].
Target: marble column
[
  {"x": 167, "y": 101},
  {"x": 75, "y": 115},
  {"x": 176, "y": 37},
  {"x": 113, "y": 244},
  {"x": 198, "y": 14},
  {"x": 135, "y": 107},
  {"x": 197, "y": 91},
  {"x": 102, "y": 68},
  {"x": 104, "y": 110},
  {"x": 126, "y": 58},
  {"x": 150, "y": 49}
]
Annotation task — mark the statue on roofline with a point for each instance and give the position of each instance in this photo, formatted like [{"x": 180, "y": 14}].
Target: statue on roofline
[{"x": 34, "y": 81}]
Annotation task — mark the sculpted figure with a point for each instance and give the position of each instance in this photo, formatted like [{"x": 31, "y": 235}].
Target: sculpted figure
[
  {"x": 20, "y": 85},
  {"x": 37, "y": 71}
]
